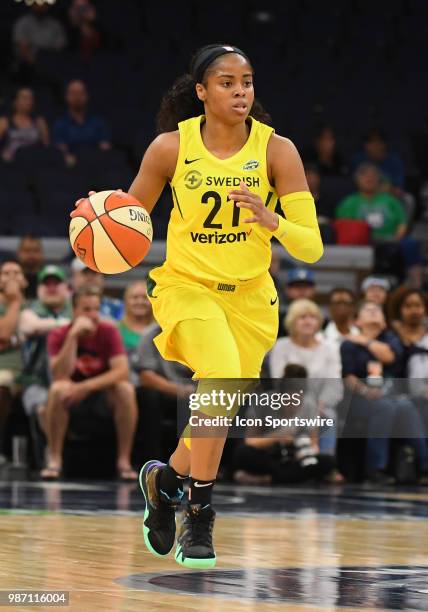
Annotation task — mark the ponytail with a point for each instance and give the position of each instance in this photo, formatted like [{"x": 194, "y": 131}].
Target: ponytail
[{"x": 178, "y": 104}]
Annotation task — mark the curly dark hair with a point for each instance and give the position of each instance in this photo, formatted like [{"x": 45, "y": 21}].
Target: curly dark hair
[
  {"x": 181, "y": 102},
  {"x": 397, "y": 299}
]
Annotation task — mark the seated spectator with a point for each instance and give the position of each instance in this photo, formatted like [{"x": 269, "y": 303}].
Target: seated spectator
[
  {"x": 369, "y": 359},
  {"x": 375, "y": 289},
  {"x": 111, "y": 308},
  {"x": 386, "y": 218},
  {"x": 341, "y": 305},
  {"x": 31, "y": 257},
  {"x": 22, "y": 128},
  {"x": 51, "y": 309},
  {"x": 34, "y": 31},
  {"x": 88, "y": 364},
  {"x": 77, "y": 127},
  {"x": 286, "y": 455},
  {"x": 162, "y": 383},
  {"x": 412, "y": 327},
  {"x": 408, "y": 315},
  {"x": 137, "y": 318},
  {"x": 325, "y": 208},
  {"x": 324, "y": 154},
  {"x": 320, "y": 358},
  {"x": 12, "y": 286},
  {"x": 376, "y": 152},
  {"x": 84, "y": 32},
  {"x": 158, "y": 374}
]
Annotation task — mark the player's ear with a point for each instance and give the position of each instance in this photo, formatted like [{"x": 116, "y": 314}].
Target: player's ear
[{"x": 201, "y": 92}]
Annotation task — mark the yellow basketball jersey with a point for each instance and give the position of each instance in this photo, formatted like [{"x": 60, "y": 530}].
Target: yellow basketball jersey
[{"x": 206, "y": 235}]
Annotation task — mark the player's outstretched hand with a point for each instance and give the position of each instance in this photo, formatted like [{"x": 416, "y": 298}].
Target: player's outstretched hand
[
  {"x": 261, "y": 215},
  {"x": 89, "y": 194}
]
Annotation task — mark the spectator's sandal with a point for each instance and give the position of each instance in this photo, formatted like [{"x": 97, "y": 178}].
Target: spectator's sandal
[
  {"x": 51, "y": 473},
  {"x": 127, "y": 475}
]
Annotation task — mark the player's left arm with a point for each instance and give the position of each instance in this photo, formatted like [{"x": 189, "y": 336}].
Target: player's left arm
[{"x": 298, "y": 232}]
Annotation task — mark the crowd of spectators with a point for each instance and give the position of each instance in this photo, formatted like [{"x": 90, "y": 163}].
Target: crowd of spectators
[
  {"x": 69, "y": 349},
  {"x": 65, "y": 343}
]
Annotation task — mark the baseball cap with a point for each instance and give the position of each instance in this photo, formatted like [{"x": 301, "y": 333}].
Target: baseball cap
[
  {"x": 300, "y": 275},
  {"x": 377, "y": 281},
  {"x": 51, "y": 270}
]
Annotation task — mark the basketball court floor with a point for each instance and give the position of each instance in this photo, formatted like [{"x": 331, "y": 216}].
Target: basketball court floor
[{"x": 353, "y": 548}]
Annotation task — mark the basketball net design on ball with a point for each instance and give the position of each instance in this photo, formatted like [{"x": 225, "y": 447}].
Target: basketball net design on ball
[{"x": 110, "y": 232}]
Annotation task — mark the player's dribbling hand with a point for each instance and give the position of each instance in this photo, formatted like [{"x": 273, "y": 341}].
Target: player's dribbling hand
[
  {"x": 244, "y": 198},
  {"x": 77, "y": 202}
]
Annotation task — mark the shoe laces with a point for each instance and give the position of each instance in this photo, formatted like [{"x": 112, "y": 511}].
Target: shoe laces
[{"x": 200, "y": 527}]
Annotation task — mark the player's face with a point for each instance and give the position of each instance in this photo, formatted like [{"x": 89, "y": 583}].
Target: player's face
[
  {"x": 88, "y": 306},
  {"x": 228, "y": 91},
  {"x": 413, "y": 309}
]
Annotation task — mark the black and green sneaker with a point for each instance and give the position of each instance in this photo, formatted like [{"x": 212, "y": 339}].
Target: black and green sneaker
[
  {"x": 159, "y": 515},
  {"x": 195, "y": 542}
]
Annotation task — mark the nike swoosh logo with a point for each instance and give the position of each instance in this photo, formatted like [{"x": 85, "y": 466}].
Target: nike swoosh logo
[
  {"x": 190, "y": 161},
  {"x": 272, "y": 302},
  {"x": 199, "y": 485}
]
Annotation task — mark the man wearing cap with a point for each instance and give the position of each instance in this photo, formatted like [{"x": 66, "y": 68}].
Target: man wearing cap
[
  {"x": 51, "y": 309},
  {"x": 82, "y": 276},
  {"x": 375, "y": 289}
]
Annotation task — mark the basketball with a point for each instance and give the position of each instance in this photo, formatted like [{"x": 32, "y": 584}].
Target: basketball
[{"x": 110, "y": 232}]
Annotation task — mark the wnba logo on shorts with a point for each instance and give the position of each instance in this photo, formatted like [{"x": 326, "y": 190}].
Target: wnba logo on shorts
[
  {"x": 225, "y": 287},
  {"x": 193, "y": 179}
]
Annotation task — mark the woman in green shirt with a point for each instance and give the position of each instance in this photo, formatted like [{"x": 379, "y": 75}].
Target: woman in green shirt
[
  {"x": 385, "y": 216},
  {"x": 138, "y": 316}
]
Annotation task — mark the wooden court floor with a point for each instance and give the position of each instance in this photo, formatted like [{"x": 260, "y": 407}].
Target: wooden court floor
[{"x": 278, "y": 549}]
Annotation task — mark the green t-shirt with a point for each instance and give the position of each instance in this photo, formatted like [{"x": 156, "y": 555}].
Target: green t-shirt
[
  {"x": 131, "y": 339},
  {"x": 383, "y": 212}
]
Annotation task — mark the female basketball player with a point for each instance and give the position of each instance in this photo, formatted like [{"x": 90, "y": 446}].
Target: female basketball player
[{"x": 213, "y": 297}]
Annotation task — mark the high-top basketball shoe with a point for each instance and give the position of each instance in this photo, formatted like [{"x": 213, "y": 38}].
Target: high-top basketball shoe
[
  {"x": 195, "y": 541},
  {"x": 159, "y": 515}
]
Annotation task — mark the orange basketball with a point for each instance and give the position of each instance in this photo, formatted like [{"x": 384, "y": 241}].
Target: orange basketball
[{"x": 110, "y": 232}]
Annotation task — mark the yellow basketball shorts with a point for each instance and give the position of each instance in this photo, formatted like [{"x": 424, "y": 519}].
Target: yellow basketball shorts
[{"x": 229, "y": 326}]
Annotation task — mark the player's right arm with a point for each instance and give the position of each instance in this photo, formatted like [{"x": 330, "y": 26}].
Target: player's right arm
[{"x": 157, "y": 167}]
